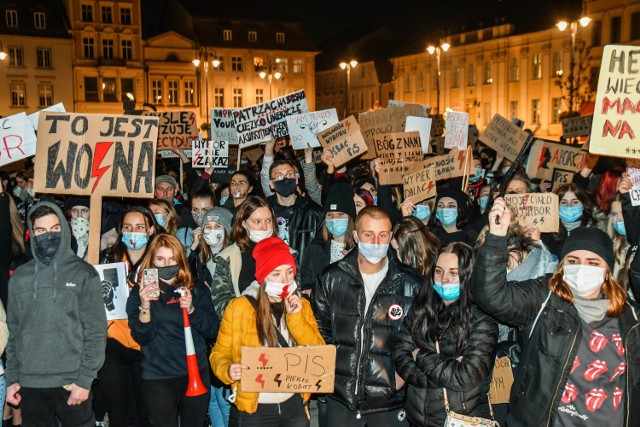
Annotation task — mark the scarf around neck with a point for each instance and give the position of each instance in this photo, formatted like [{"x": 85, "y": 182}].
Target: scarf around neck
[{"x": 591, "y": 310}]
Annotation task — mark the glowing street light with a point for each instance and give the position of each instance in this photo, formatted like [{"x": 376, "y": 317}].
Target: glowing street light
[
  {"x": 562, "y": 26},
  {"x": 444, "y": 46},
  {"x": 348, "y": 66}
]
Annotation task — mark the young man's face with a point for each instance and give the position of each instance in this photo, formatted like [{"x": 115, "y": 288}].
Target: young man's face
[{"x": 46, "y": 224}]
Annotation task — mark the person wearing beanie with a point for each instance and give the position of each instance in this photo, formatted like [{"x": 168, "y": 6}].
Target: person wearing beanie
[
  {"x": 270, "y": 313},
  {"x": 580, "y": 357},
  {"x": 167, "y": 188},
  {"x": 450, "y": 222}
]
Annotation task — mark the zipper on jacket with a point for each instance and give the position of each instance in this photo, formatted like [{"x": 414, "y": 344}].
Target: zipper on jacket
[
  {"x": 563, "y": 369},
  {"x": 626, "y": 356}
]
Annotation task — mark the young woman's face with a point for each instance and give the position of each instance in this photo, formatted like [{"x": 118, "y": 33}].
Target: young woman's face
[
  {"x": 282, "y": 274},
  {"x": 517, "y": 186},
  {"x": 447, "y": 202},
  {"x": 260, "y": 219},
  {"x": 570, "y": 199},
  {"x": 134, "y": 222},
  {"x": 336, "y": 215},
  {"x": 616, "y": 211},
  {"x": 446, "y": 270},
  {"x": 212, "y": 225},
  {"x": 370, "y": 188},
  {"x": 584, "y": 258},
  {"x": 360, "y": 203},
  {"x": 240, "y": 186},
  {"x": 201, "y": 205},
  {"x": 164, "y": 257}
]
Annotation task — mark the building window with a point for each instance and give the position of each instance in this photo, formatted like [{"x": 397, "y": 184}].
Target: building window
[
  {"x": 87, "y": 13},
  {"x": 596, "y": 33},
  {"x": 486, "y": 112},
  {"x": 127, "y": 49},
  {"x": 237, "y": 97},
  {"x": 18, "y": 95},
  {"x": 253, "y": 36},
  {"x": 218, "y": 97},
  {"x": 407, "y": 82},
  {"x": 616, "y": 29},
  {"x": 298, "y": 66},
  {"x": 536, "y": 67},
  {"x": 227, "y": 35},
  {"x": 635, "y": 26},
  {"x": 513, "y": 109},
  {"x": 557, "y": 64},
  {"x": 109, "y": 93},
  {"x": 45, "y": 94},
  {"x": 471, "y": 75},
  {"x": 107, "y": 14},
  {"x": 39, "y": 20},
  {"x": 236, "y": 63},
  {"x": 43, "y": 57},
  {"x": 352, "y": 104},
  {"x": 188, "y": 90},
  {"x": 88, "y": 44},
  {"x": 91, "y": 89},
  {"x": 455, "y": 77},
  {"x": 259, "y": 96},
  {"x": 221, "y": 65},
  {"x": 107, "y": 49},
  {"x": 420, "y": 81},
  {"x": 282, "y": 65},
  {"x": 156, "y": 91},
  {"x": 556, "y": 109},
  {"x": 126, "y": 86},
  {"x": 535, "y": 111},
  {"x": 371, "y": 99},
  {"x": 125, "y": 16},
  {"x": 487, "y": 77},
  {"x": 11, "y": 18},
  {"x": 258, "y": 63},
  {"x": 514, "y": 70},
  {"x": 172, "y": 91},
  {"x": 16, "y": 57},
  {"x": 280, "y": 38},
  {"x": 361, "y": 101}
]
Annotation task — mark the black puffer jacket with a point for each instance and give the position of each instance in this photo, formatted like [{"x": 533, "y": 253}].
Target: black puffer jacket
[
  {"x": 547, "y": 355},
  {"x": 316, "y": 257},
  {"x": 365, "y": 373},
  {"x": 467, "y": 381}
]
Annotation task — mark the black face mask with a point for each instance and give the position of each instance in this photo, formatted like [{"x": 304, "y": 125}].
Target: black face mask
[
  {"x": 285, "y": 187},
  {"x": 47, "y": 245},
  {"x": 486, "y": 163},
  {"x": 168, "y": 273}
]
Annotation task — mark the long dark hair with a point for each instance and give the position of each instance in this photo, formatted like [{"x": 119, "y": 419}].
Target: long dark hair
[
  {"x": 119, "y": 250},
  {"x": 587, "y": 220},
  {"x": 434, "y": 322},
  {"x": 238, "y": 233},
  {"x": 416, "y": 244}
]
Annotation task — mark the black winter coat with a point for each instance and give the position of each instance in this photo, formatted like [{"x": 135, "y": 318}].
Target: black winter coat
[
  {"x": 365, "y": 379},
  {"x": 548, "y": 354},
  {"x": 316, "y": 257},
  {"x": 467, "y": 381}
]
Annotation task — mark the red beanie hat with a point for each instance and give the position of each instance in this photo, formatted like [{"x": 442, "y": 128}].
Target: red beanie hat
[{"x": 270, "y": 254}]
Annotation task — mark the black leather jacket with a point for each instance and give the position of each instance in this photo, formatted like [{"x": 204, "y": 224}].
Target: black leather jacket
[
  {"x": 365, "y": 379},
  {"x": 548, "y": 354}
]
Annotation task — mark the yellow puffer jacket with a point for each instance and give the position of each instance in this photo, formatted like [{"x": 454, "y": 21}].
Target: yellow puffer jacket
[{"x": 238, "y": 329}]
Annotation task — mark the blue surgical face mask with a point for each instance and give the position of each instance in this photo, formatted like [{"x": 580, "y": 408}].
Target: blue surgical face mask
[
  {"x": 448, "y": 291},
  {"x": 337, "y": 226},
  {"x": 134, "y": 240},
  {"x": 484, "y": 202},
  {"x": 373, "y": 252},
  {"x": 160, "y": 219},
  {"x": 375, "y": 200},
  {"x": 223, "y": 199},
  {"x": 570, "y": 213},
  {"x": 422, "y": 212},
  {"x": 618, "y": 226},
  {"x": 447, "y": 216},
  {"x": 477, "y": 177}
]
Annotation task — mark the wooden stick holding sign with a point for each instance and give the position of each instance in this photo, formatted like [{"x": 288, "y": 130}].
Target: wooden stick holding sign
[
  {"x": 539, "y": 209},
  {"x": 97, "y": 155}
]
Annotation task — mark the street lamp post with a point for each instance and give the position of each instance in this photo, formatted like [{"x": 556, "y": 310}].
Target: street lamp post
[
  {"x": 437, "y": 49},
  {"x": 348, "y": 66},
  {"x": 573, "y": 26},
  {"x": 206, "y": 57},
  {"x": 270, "y": 75}
]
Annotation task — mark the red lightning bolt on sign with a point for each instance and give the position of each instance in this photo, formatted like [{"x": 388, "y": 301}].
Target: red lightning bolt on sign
[
  {"x": 347, "y": 124},
  {"x": 543, "y": 153},
  {"x": 260, "y": 380},
  {"x": 430, "y": 186},
  {"x": 263, "y": 359},
  {"x": 96, "y": 171},
  {"x": 461, "y": 157}
]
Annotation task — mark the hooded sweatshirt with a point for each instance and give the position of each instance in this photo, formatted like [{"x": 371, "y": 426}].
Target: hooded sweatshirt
[{"x": 56, "y": 318}]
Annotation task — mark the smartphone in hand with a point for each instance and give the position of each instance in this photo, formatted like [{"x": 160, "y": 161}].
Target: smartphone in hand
[{"x": 150, "y": 278}]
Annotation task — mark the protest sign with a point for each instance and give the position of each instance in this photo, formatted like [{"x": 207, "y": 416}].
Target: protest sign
[
  {"x": 176, "y": 129},
  {"x": 33, "y": 118},
  {"x": 304, "y": 128},
  {"x": 457, "y": 130},
  {"x": 501, "y": 381},
  {"x": 384, "y": 121},
  {"x": 344, "y": 140},
  {"x": 261, "y": 122},
  {"x": 577, "y": 126},
  {"x": 561, "y": 177},
  {"x": 219, "y": 154},
  {"x": 420, "y": 185},
  {"x": 615, "y": 118},
  {"x": 17, "y": 138},
  {"x": 539, "y": 209},
  {"x": 423, "y": 126},
  {"x": 222, "y": 127},
  {"x": 437, "y": 125},
  {"x": 115, "y": 289},
  {"x": 504, "y": 137},
  {"x": 447, "y": 166},
  {"x": 305, "y": 369},
  {"x": 399, "y": 153},
  {"x": 633, "y": 169},
  {"x": 634, "y": 193},
  {"x": 395, "y": 103},
  {"x": 547, "y": 156},
  {"x": 200, "y": 154}
]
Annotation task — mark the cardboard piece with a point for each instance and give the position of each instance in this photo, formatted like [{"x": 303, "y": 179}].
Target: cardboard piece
[
  {"x": 304, "y": 128},
  {"x": 539, "y": 209},
  {"x": 33, "y": 118},
  {"x": 633, "y": 169},
  {"x": 168, "y": 154},
  {"x": 437, "y": 125},
  {"x": 561, "y": 177},
  {"x": 176, "y": 129},
  {"x": 634, "y": 193},
  {"x": 17, "y": 139},
  {"x": 504, "y": 137},
  {"x": 501, "y": 382},
  {"x": 222, "y": 127},
  {"x": 457, "y": 135},
  {"x": 420, "y": 185},
  {"x": 577, "y": 126},
  {"x": 115, "y": 289},
  {"x": 200, "y": 153},
  {"x": 261, "y": 122},
  {"x": 307, "y": 369},
  {"x": 219, "y": 151},
  {"x": 344, "y": 140},
  {"x": 399, "y": 153},
  {"x": 546, "y": 156},
  {"x": 447, "y": 166},
  {"x": 423, "y": 126}
]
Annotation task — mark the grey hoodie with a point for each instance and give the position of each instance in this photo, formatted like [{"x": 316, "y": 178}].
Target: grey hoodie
[{"x": 56, "y": 318}]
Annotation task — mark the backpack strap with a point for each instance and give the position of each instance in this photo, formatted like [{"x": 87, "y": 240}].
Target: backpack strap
[
  {"x": 544, "y": 304},
  {"x": 281, "y": 340}
]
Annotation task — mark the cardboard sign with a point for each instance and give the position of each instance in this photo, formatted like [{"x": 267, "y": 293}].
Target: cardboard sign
[
  {"x": 219, "y": 154},
  {"x": 457, "y": 135},
  {"x": 200, "y": 154},
  {"x": 307, "y": 369},
  {"x": 168, "y": 154},
  {"x": 344, "y": 140},
  {"x": 101, "y": 154},
  {"x": 545, "y": 156},
  {"x": 399, "y": 153},
  {"x": 33, "y": 118},
  {"x": 115, "y": 289},
  {"x": 561, "y": 177},
  {"x": 634, "y": 193},
  {"x": 304, "y": 128},
  {"x": 437, "y": 125},
  {"x": 17, "y": 139},
  {"x": 501, "y": 382},
  {"x": 633, "y": 169},
  {"x": 261, "y": 122},
  {"x": 539, "y": 209},
  {"x": 577, "y": 126},
  {"x": 423, "y": 126},
  {"x": 447, "y": 166},
  {"x": 222, "y": 127},
  {"x": 176, "y": 129},
  {"x": 504, "y": 137},
  {"x": 420, "y": 185}
]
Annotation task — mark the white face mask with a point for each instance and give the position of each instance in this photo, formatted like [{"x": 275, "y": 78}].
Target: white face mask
[
  {"x": 280, "y": 290},
  {"x": 583, "y": 280},
  {"x": 373, "y": 252},
  {"x": 214, "y": 238},
  {"x": 80, "y": 227},
  {"x": 259, "y": 235}
]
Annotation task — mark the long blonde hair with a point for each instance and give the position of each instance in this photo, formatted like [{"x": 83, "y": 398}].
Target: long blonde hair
[{"x": 17, "y": 229}]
